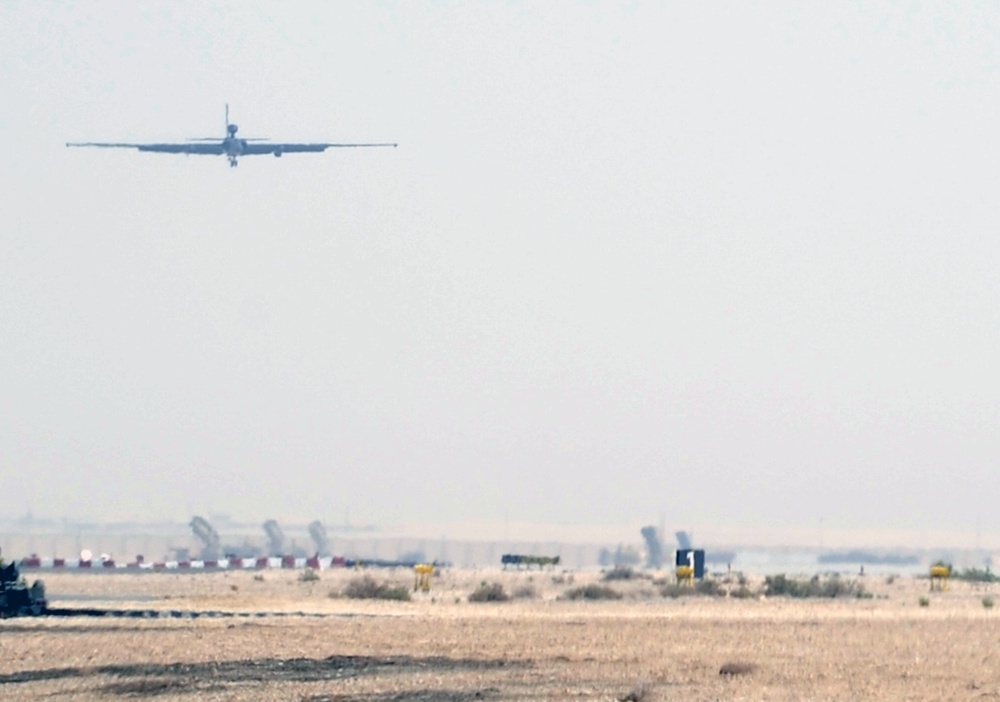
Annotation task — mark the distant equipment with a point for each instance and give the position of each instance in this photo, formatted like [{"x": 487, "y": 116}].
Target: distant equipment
[
  {"x": 654, "y": 549},
  {"x": 683, "y": 539},
  {"x": 318, "y": 534},
  {"x": 209, "y": 537},
  {"x": 868, "y": 558},
  {"x": 16, "y": 598},
  {"x": 275, "y": 538},
  {"x": 517, "y": 559},
  {"x": 621, "y": 556}
]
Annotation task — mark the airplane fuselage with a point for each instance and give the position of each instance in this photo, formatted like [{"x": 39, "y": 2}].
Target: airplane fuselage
[{"x": 233, "y": 148}]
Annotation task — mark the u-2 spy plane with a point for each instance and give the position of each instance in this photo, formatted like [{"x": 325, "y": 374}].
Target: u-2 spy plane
[{"x": 230, "y": 146}]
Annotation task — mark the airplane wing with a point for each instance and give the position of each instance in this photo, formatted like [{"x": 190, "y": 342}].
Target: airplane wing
[
  {"x": 256, "y": 149},
  {"x": 194, "y": 148}
]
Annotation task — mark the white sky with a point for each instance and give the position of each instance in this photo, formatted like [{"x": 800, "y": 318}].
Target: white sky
[{"x": 712, "y": 263}]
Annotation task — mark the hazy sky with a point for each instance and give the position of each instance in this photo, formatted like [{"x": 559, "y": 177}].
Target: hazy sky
[{"x": 729, "y": 263}]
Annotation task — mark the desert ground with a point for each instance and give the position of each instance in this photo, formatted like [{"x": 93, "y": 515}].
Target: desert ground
[{"x": 315, "y": 645}]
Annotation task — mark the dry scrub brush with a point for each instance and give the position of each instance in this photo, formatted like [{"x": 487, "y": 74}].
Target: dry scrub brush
[
  {"x": 592, "y": 592},
  {"x": 831, "y": 587},
  {"x": 736, "y": 668},
  {"x": 489, "y": 592},
  {"x": 367, "y": 588}
]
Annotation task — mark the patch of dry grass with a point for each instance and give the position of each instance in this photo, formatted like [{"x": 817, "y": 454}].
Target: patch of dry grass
[
  {"x": 737, "y": 668},
  {"x": 437, "y": 648}
]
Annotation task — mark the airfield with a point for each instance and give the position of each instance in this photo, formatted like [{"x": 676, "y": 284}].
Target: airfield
[{"x": 282, "y": 635}]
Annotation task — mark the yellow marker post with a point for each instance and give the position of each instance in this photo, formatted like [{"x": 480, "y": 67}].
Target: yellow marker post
[
  {"x": 422, "y": 573},
  {"x": 939, "y": 577}
]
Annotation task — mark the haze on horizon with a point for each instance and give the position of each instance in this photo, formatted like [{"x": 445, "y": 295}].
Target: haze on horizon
[{"x": 729, "y": 264}]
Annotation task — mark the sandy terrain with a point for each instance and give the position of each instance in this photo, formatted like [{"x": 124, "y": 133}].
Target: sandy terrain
[{"x": 442, "y": 647}]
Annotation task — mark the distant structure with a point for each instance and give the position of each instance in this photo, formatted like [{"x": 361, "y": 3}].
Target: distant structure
[
  {"x": 621, "y": 556},
  {"x": 690, "y": 564},
  {"x": 517, "y": 559},
  {"x": 275, "y": 538},
  {"x": 318, "y": 534},
  {"x": 654, "y": 549},
  {"x": 868, "y": 557},
  {"x": 211, "y": 543},
  {"x": 685, "y": 542},
  {"x": 683, "y": 539}
]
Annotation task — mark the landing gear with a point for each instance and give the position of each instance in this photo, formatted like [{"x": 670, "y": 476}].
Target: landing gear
[{"x": 233, "y": 163}]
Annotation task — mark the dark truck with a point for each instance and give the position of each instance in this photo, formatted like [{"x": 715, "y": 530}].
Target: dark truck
[{"x": 16, "y": 598}]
